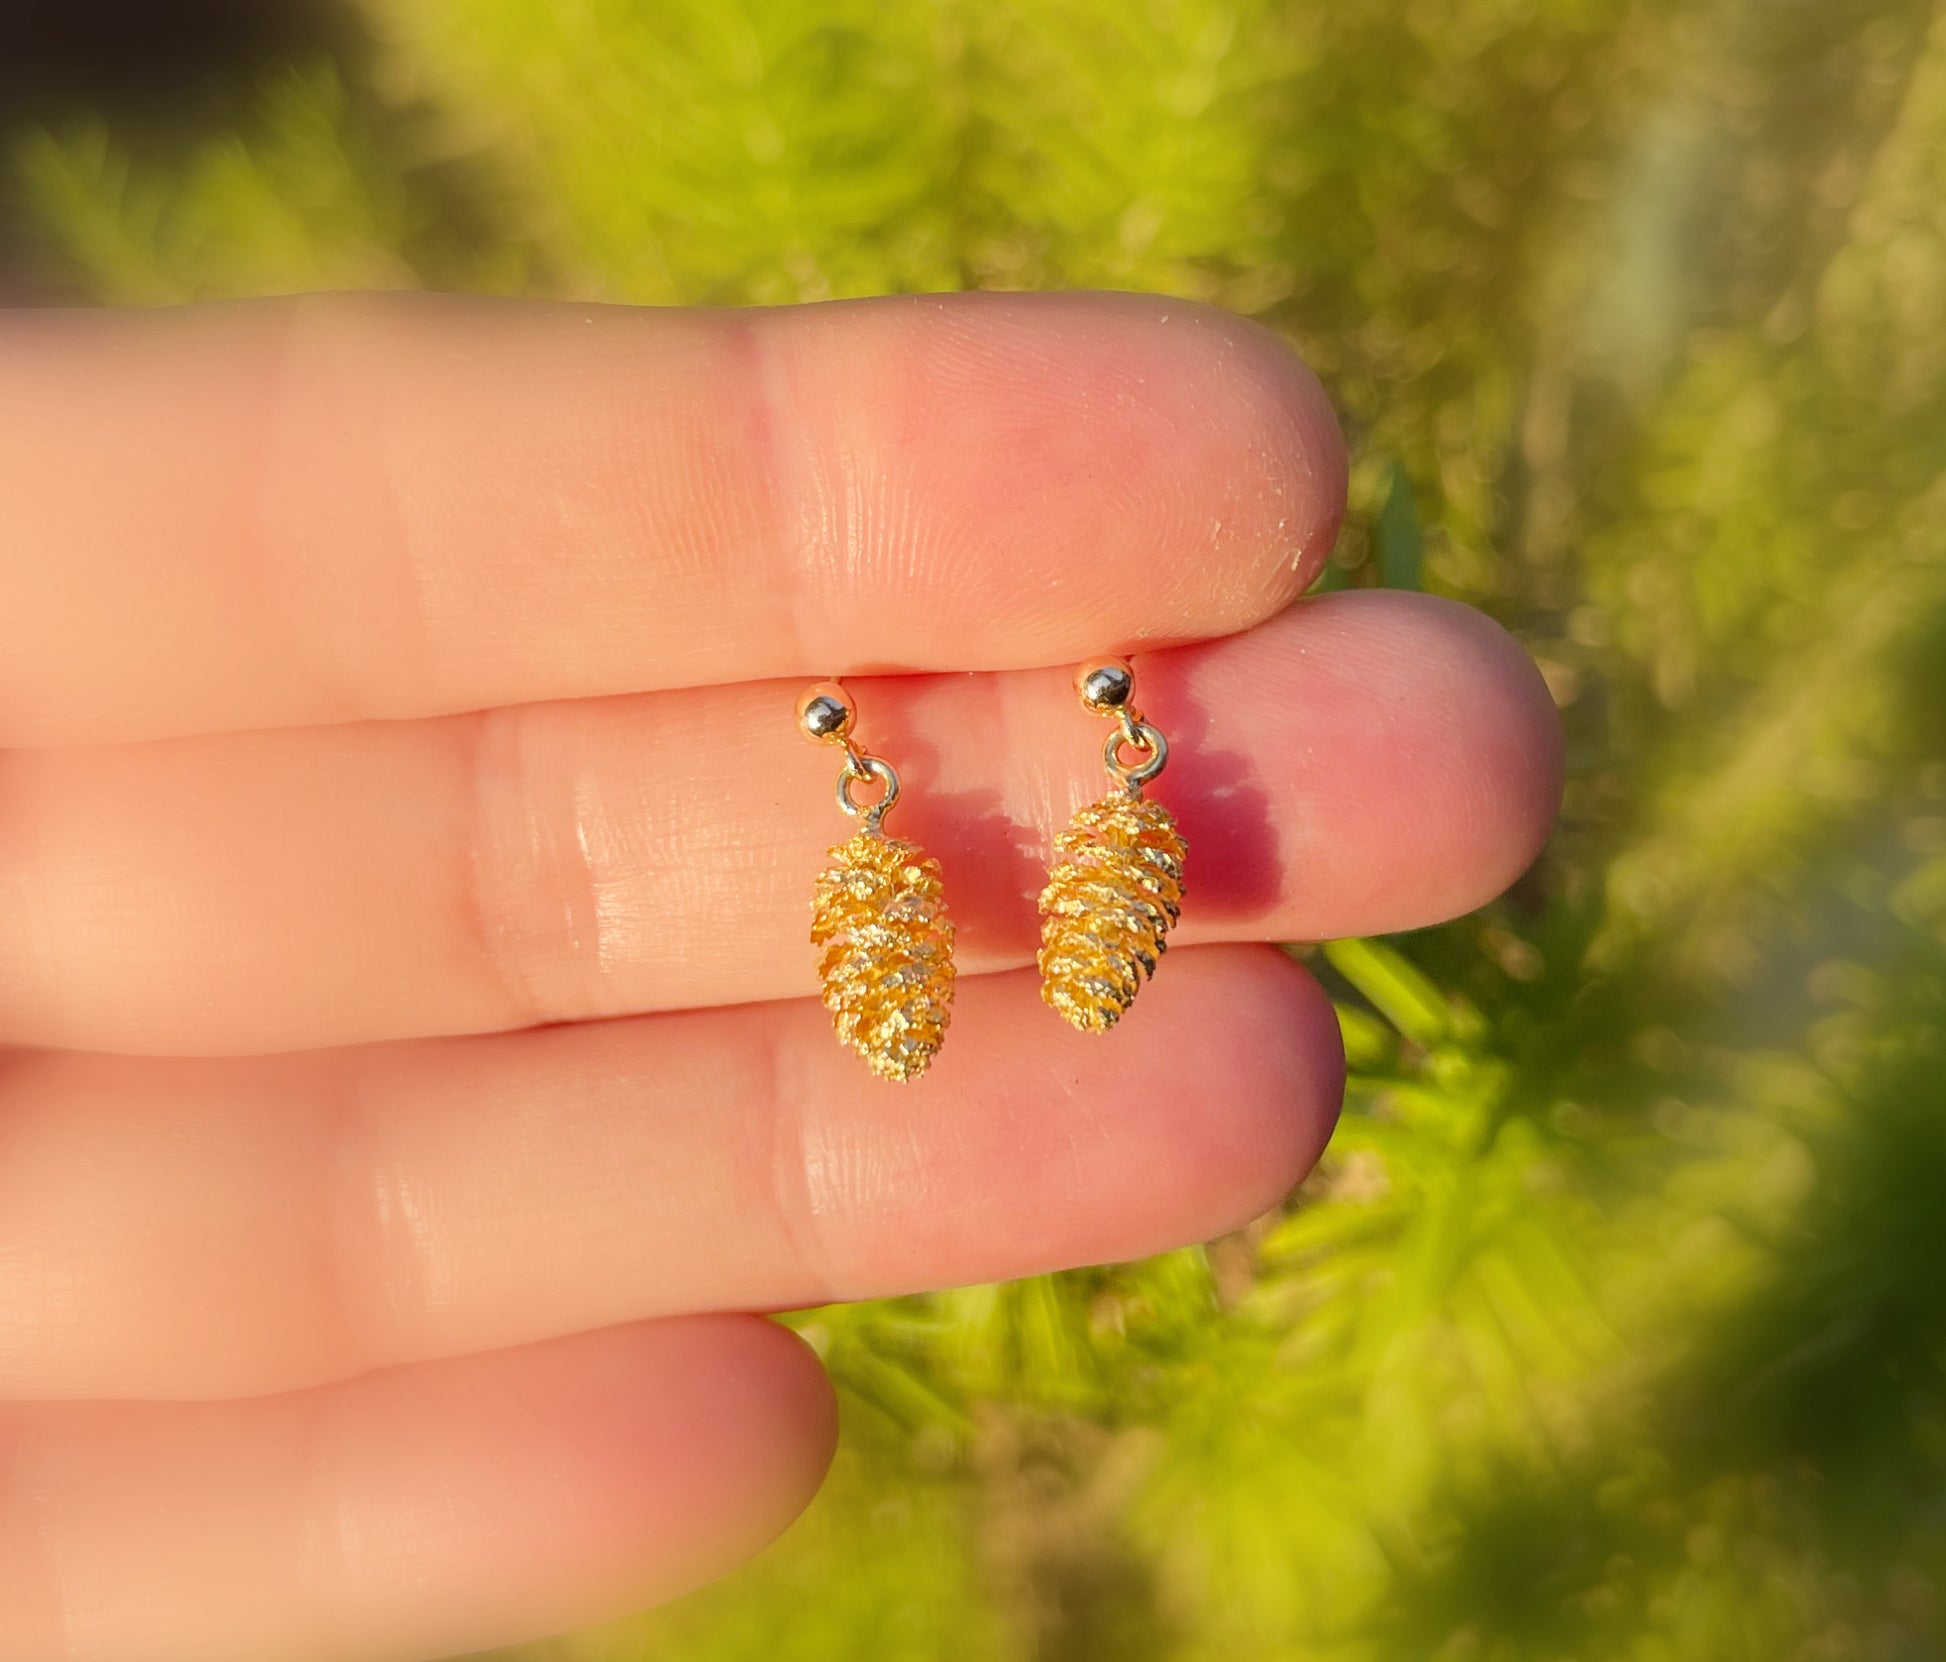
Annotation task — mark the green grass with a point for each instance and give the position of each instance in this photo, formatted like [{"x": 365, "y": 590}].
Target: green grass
[{"x": 1612, "y": 1326}]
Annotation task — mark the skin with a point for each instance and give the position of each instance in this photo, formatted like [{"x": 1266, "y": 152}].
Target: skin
[{"x": 403, "y": 883}]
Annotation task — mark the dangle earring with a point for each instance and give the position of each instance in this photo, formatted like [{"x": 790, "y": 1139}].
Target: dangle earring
[
  {"x": 1115, "y": 888},
  {"x": 878, "y": 915}
]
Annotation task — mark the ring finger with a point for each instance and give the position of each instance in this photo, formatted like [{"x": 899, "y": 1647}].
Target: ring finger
[{"x": 405, "y": 1202}]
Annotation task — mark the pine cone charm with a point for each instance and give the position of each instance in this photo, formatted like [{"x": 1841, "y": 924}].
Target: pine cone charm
[
  {"x": 887, "y": 963},
  {"x": 1112, "y": 897}
]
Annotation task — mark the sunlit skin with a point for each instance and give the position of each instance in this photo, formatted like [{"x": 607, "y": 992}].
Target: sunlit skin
[{"x": 405, "y": 848}]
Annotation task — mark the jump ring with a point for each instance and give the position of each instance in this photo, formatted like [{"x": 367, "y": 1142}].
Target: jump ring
[
  {"x": 869, "y": 767},
  {"x": 1144, "y": 737}
]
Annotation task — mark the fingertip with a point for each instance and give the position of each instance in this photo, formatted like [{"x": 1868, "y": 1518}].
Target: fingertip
[
  {"x": 1103, "y": 470},
  {"x": 1314, "y": 1057},
  {"x": 1285, "y": 424},
  {"x": 1230, "y": 1069},
  {"x": 586, "y": 1477},
  {"x": 1266, "y": 1106},
  {"x": 780, "y": 1416},
  {"x": 1508, "y": 759},
  {"x": 1371, "y": 761},
  {"x": 1255, "y": 416},
  {"x": 735, "y": 1415}
]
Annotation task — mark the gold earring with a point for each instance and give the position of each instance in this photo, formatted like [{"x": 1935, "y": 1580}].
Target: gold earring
[
  {"x": 1115, "y": 889},
  {"x": 878, "y": 914}
]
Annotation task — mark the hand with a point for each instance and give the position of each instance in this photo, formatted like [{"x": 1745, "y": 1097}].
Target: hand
[{"x": 422, "y": 671}]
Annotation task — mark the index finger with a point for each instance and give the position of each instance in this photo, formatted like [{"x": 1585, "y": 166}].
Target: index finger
[{"x": 289, "y": 512}]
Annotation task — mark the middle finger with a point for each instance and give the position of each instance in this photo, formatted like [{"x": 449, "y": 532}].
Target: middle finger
[{"x": 1363, "y": 763}]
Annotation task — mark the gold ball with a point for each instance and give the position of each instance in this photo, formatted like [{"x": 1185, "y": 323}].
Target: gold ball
[
  {"x": 1105, "y": 684},
  {"x": 826, "y": 713}
]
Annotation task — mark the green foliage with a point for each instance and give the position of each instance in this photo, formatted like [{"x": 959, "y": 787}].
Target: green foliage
[
  {"x": 1612, "y": 1326},
  {"x": 308, "y": 204}
]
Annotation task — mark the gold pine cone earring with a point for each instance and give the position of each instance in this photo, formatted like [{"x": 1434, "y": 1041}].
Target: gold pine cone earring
[
  {"x": 1115, "y": 889},
  {"x": 879, "y": 915}
]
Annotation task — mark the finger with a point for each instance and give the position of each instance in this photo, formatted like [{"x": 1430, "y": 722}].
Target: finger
[
  {"x": 421, "y": 1200},
  {"x": 412, "y": 1513},
  {"x": 299, "y": 512},
  {"x": 1366, "y": 762}
]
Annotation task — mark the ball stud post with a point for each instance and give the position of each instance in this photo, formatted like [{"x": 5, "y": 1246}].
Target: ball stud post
[
  {"x": 825, "y": 713},
  {"x": 1105, "y": 684}
]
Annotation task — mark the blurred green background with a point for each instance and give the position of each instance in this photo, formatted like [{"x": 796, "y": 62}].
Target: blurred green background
[{"x": 1613, "y": 1325}]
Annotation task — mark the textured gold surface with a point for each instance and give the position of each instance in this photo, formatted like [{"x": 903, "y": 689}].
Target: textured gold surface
[
  {"x": 1112, "y": 896},
  {"x": 887, "y": 966}
]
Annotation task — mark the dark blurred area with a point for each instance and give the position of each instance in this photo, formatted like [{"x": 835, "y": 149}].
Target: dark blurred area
[
  {"x": 166, "y": 61},
  {"x": 157, "y": 69}
]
